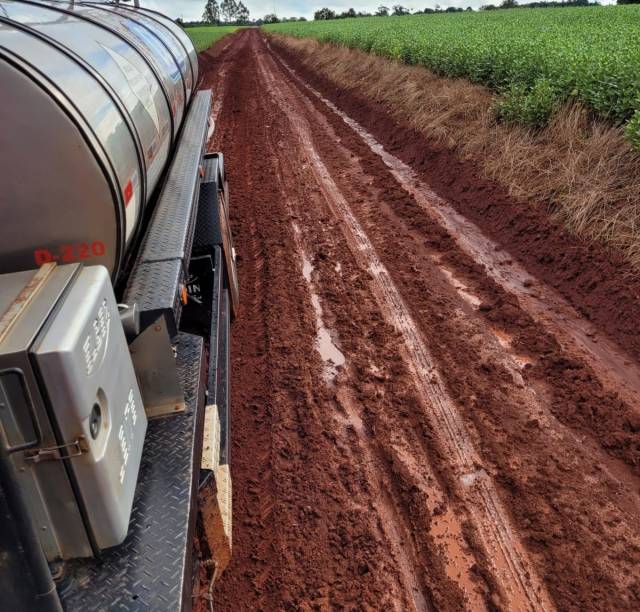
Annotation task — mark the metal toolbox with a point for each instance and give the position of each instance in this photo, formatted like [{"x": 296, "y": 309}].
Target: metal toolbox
[{"x": 72, "y": 414}]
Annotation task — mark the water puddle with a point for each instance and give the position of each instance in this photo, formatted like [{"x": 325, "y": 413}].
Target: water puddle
[
  {"x": 470, "y": 478},
  {"x": 461, "y": 288},
  {"x": 307, "y": 269},
  {"x": 330, "y": 354},
  {"x": 218, "y": 98}
]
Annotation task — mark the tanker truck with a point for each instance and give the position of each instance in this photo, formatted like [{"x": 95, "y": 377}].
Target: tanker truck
[{"x": 117, "y": 290}]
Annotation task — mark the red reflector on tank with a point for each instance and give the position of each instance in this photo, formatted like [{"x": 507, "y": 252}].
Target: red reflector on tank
[{"x": 128, "y": 192}]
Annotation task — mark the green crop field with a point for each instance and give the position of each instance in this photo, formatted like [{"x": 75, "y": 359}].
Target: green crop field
[
  {"x": 204, "y": 36},
  {"x": 536, "y": 59}
]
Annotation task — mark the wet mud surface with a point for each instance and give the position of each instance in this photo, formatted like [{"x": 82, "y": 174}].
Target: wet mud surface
[{"x": 424, "y": 416}]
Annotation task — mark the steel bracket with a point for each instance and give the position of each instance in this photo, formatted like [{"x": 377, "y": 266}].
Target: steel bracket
[{"x": 154, "y": 360}]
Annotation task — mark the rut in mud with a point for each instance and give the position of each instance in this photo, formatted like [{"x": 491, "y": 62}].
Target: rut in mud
[{"x": 419, "y": 422}]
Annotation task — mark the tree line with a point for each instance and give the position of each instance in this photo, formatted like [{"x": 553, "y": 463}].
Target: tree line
[
  {"x": 233, "y": 12},
  {"x": 398, "y": 10},
  {"x": 228, "y": 11}
]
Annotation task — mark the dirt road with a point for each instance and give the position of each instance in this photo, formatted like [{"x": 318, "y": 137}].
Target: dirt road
[{"x": 420, "y": 420}]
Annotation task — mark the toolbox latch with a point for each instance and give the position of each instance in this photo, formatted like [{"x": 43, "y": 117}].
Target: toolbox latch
[{"x": 53, "y": 453}]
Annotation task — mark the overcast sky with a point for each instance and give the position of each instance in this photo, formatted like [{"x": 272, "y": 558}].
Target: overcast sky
[{"x": 191, "y": 10}]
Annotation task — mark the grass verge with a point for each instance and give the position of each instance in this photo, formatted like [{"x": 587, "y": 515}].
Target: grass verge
[{"x": 205, "y": 36}]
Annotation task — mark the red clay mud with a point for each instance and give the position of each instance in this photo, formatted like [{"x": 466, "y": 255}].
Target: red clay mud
[{"x": 350, "y": 491}]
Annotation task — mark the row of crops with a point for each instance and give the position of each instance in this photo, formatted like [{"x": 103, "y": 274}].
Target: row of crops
[
  {"x": 536, "y": 59},
  {"x": 204, "y": 36}
]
